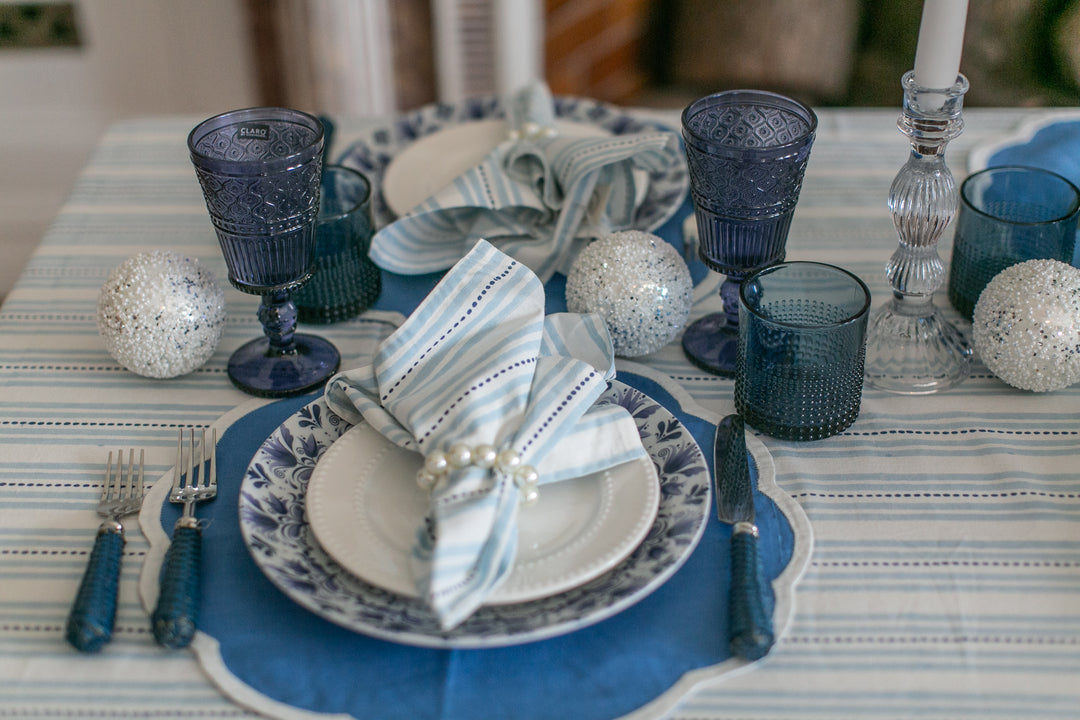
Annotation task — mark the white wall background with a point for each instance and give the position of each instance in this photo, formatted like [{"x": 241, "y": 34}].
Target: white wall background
[{"x": 138, "y": 58}]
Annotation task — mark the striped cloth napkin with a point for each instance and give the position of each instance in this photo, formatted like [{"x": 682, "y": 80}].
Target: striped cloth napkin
[
  {"x": 478, "y": 376},
  {"x": 538, "y": 196}
]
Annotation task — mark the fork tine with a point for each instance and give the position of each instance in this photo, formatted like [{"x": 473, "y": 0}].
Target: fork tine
[
  {"x": 201, "y": 480},
  {"x": 127, "y": 484},
  {"x": 212, "y": 472},
  {"x": 140, "y": 488},
  {"x": 191, "y": 459},
  {"x": 178, "y": 473},
  {"x": 108, "y": 479}
]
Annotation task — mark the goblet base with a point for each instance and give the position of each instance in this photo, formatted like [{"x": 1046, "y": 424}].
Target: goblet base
[
  {"x": 914, "y": 351},
  {"x": 711, "y": 344},
  {"x": 258, "y": 371}
]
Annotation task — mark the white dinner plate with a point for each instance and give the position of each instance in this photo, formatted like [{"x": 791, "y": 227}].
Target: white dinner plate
[
  {"x": 414, "y": 175},
  {"x": 364, "y": 507}
]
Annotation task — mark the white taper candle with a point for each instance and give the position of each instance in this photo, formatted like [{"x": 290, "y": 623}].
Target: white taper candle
[{"x": 941, "y": 41}]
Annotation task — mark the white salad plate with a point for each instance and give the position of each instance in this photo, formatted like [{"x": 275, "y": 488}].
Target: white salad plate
[
  {"x": 365, "y": 508},
  {"x": 412, "y": 177}
]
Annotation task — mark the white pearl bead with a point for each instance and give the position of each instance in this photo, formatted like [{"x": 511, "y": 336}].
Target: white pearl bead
[
  {"x": 460, "y": 455},
  {"x": 436, "y": 463},
  {"x": 529, "y": 495},
  {"x": 426, "y": 480},
  {"x": 526, "y": 475},
  {"x": 484, "y": 456},
  {"x": 507, "y": 461}
]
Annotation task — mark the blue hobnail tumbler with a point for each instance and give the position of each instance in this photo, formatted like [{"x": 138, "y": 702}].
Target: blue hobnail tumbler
[
  {"x": 801, "y": 349},
  {"x": 344, "y": 281},
  {"x": 260, "y": 171},
  {"x": 1008, "y": 215},
  {"x": 747, "y": 152}
]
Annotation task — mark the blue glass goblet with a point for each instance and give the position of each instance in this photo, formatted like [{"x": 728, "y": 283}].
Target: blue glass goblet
[
  {"x": 747, "y": 151},
  {"x": 260, "y": 171}
]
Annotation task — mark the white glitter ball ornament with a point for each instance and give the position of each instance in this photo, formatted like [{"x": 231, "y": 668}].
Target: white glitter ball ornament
[
  {"x": 1026, "y": 325},
  {"x": 638, "y": 284},
  {"x": 160, "y": 314}
]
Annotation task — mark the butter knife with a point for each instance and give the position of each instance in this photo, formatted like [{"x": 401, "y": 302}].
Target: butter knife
[{"x": 749, "y": 626}]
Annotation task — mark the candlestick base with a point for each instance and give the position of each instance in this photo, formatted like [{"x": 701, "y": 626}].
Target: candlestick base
[{"x": 917, "y": 351}]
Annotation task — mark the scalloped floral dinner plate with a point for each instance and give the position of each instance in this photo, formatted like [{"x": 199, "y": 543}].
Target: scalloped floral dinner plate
[
  {"x": 364, "y": 509},
  {"x": 276, "y": 483},
  {"x": 373, "y": 152}
]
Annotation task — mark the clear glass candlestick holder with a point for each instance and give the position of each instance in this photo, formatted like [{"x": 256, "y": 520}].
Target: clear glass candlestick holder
[{"x": 912, "y": 348}]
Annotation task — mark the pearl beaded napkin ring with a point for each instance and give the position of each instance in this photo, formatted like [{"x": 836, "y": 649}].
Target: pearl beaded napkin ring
[{"x": 437, "y": 465}]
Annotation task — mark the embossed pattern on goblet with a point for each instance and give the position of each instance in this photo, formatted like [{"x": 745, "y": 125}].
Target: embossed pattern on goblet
[
  {"x": 747, "y": 153},
  {"x": 263, "y": 210},
  {"x": 260, "y": 171}
]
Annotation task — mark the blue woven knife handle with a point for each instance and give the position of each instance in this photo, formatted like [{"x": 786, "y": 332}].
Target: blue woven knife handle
[
  {"x": 177, "y": 613},
  {"x": 751, "y": 628},
  {"x": 90, "y": 624}
]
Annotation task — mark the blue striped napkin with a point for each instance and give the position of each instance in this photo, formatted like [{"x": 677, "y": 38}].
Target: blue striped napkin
[
  {"x": 478, "y": 364},
  {"x": 538, "y": 196}
]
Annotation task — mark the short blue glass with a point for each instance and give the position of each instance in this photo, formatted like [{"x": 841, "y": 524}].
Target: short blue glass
[
  {"x": 260, "y": 172},
  {"x": 1008, "y": 215},
  {"x": 344, "y": 281},
  {"x": 801, "y": 349},
  {"x": 747, "y": 152}
]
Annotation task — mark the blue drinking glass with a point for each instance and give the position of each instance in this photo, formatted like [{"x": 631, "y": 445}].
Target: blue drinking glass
[
  {"x": 801, "y": 349},
  {"x": 344, "y": 281},
  {"x": 1008, "y": 215},
  {"x": 747, "y": 152},
  {"x": 260, "y": 171}
]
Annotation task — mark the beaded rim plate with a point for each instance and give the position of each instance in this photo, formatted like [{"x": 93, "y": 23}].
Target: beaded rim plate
[
  {"x": 276, "y": 482},
  {"x": 364, "y": 510},
  {"x": 373, "y": 151}
]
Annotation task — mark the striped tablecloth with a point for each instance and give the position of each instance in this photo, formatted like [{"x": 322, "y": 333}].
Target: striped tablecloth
[{"x": 945, "y": 576}]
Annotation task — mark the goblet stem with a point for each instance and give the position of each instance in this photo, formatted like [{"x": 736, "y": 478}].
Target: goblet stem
[
  {"x": 711, "y": 342},
  {"x": 729, "y": 296},
  {"x": 277, "y": 313}
]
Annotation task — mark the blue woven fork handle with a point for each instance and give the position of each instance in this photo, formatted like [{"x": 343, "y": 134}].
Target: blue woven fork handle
[
  {"x": 90, "y": 624},
  {"x": 177, "y": 613}
]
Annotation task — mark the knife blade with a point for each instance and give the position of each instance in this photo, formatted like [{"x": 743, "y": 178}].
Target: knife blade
[{"x": 750, "y": 628}]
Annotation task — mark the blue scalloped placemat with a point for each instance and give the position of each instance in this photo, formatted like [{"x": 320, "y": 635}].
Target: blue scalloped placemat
[
  {"x": 1051, "y": 143},
  {"x": 292, "y": 657}
]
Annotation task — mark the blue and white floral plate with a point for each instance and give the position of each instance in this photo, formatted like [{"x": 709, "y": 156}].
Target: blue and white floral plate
[
  {"x": 272, "y": 500},
  {"x": 372, "y": 152}
]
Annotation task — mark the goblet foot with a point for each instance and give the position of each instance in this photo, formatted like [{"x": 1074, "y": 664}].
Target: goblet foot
[
  {"x": 259, "y": 371},
  {"x": 711, "y": 342},
  {"x": 914, "y": 351}
]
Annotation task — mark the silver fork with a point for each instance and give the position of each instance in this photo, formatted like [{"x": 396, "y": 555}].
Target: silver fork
[
  {"x": 90, "y": 624},
  {"x": 177, "y": 613}
]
